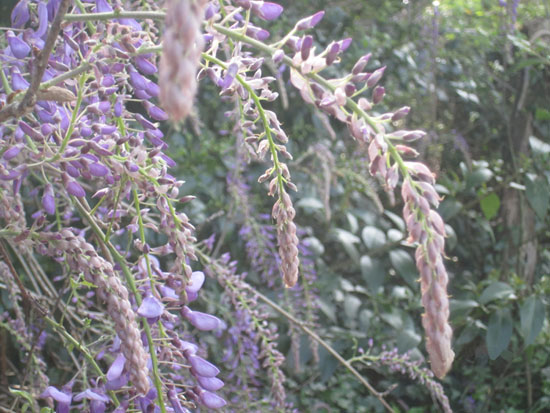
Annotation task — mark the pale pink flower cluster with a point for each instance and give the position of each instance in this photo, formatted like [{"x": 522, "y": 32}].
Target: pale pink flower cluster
[
  {"x": 283, "y": 212},
  {"x": 182, "y": 47},
  {"x": 426, "y": 227}
]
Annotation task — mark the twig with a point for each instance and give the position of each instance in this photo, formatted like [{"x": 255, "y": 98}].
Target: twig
[
  {"x": 40, "y": 64},
  {"x": 326, "y": 345}
]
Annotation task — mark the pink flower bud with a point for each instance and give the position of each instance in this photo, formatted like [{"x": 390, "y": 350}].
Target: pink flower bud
[
  {"x": 310, "y": 22},
  {"x": 378, "y": 94},
  {"x": 375, "y": 77}
]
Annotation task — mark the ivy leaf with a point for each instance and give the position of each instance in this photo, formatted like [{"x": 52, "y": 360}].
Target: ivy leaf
[
  {"x": 532, "y": 316},
  {"x": 499, "y": 332}
]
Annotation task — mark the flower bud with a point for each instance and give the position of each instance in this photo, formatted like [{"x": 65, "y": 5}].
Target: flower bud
[{"x": 310, "y": 22}]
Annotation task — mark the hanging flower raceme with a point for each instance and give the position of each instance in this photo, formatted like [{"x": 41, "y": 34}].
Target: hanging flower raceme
[{"x": 182, "y": 46}]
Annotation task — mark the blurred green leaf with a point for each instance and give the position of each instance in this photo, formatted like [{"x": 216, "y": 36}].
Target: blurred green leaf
[
  {"x": 373, "y": 237},
  {"x": 499, "y": 332},
  {"x": 490, "y": 205},
  {"x": 532, "y": 316},
  {"x": 462, "y": 305},
  {"x": 478, "y": 177},
  {"x": 407, "y": 340},
  {"x": 373, "y": 272},
  {"x": 538, "y": 195},
  {"x": 351, "y": 306},
  {"x": 496, "y": 291},
  {"x": 405, "y": 266},
  {"x": 347, "y": 239},
  {"x": 542, "y": 114}
]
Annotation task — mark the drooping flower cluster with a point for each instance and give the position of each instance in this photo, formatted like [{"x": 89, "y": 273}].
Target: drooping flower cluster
[
  {"x": 84, "y": 180},
  {"x": 182, "y": 46},
  {"x": 90, "y": 136}
]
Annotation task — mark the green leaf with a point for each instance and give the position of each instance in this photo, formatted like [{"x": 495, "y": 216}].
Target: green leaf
[
  {"x": 347, "y": 239},
  {"x": 499, "y": 332},
  {"x": 373, "y": 237},
  {"x": 496, "y": 291},
  {"x": 542, "y": 114},
  {"x": 373, "y": 272},
  {"x": 351, "y": 306},
  {"x": 532, "y": 316},
  {"x": 462, "y": 305},
  {"x": 310, "y": 204},
  {"x": 490, "y": 205},
  {"x": 538, "y": 195},
  {"x": 405, "y": 266},
  {"x": 21, "y": 393},
  {"x": 477, "y": 177},
  {"x": 407, "y": 340}
]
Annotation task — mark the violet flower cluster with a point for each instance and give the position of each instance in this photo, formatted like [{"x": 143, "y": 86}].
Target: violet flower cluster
[
  {"x": 85, "y": 184},
  {"x": 88, "y": 155}
]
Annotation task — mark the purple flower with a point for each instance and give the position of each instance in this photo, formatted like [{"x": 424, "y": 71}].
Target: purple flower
[
  {"x": 257, "y": 33},
  {"x": 18, "y": 82},
  {"x": 18, "y": 47},
  {"x": 12, "y": 152},
  {"x": 97, "y": 169},
  {"x": 210, "y": 383},
  {"x": 202, "y": 367},
  {"x": 75, "y": 189},
  {"x": 48, "y": 200},
  {"x": 375, "y": 76},
  {"x": 91, "y": 395},
  {"x": 43, "y": 20},
  {"x": 63, "y": 399},
  {"x": 116, "y": 368},
  {"x": 20, "y": 14},
  {"x": 229, "y": 76},
  {"x": 195, "y": 282},
  {"x": 378, "y": 94},
  {"x": 145, "y": 66},
  {"x": 154, "y": 111},
  {"x": 310, "y": 22},
  {"x": 174, "y": 401},
  {"x": 400, "y": 113},
  {"x": 202, "y": 321},
  {"x": 266, "y": 10},
  {"x": 307, "y": 42},
  {"x": 211, "y": 400},
  {"x": 136, "y": 80},
  {"x": 101, "y": 6},
  {"x": 150, "y": 307}
]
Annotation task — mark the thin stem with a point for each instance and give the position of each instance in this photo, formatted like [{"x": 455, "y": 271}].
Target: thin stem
[
  {"x": 86, "y": 17},
  {"x": 327, "y": 346}
]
